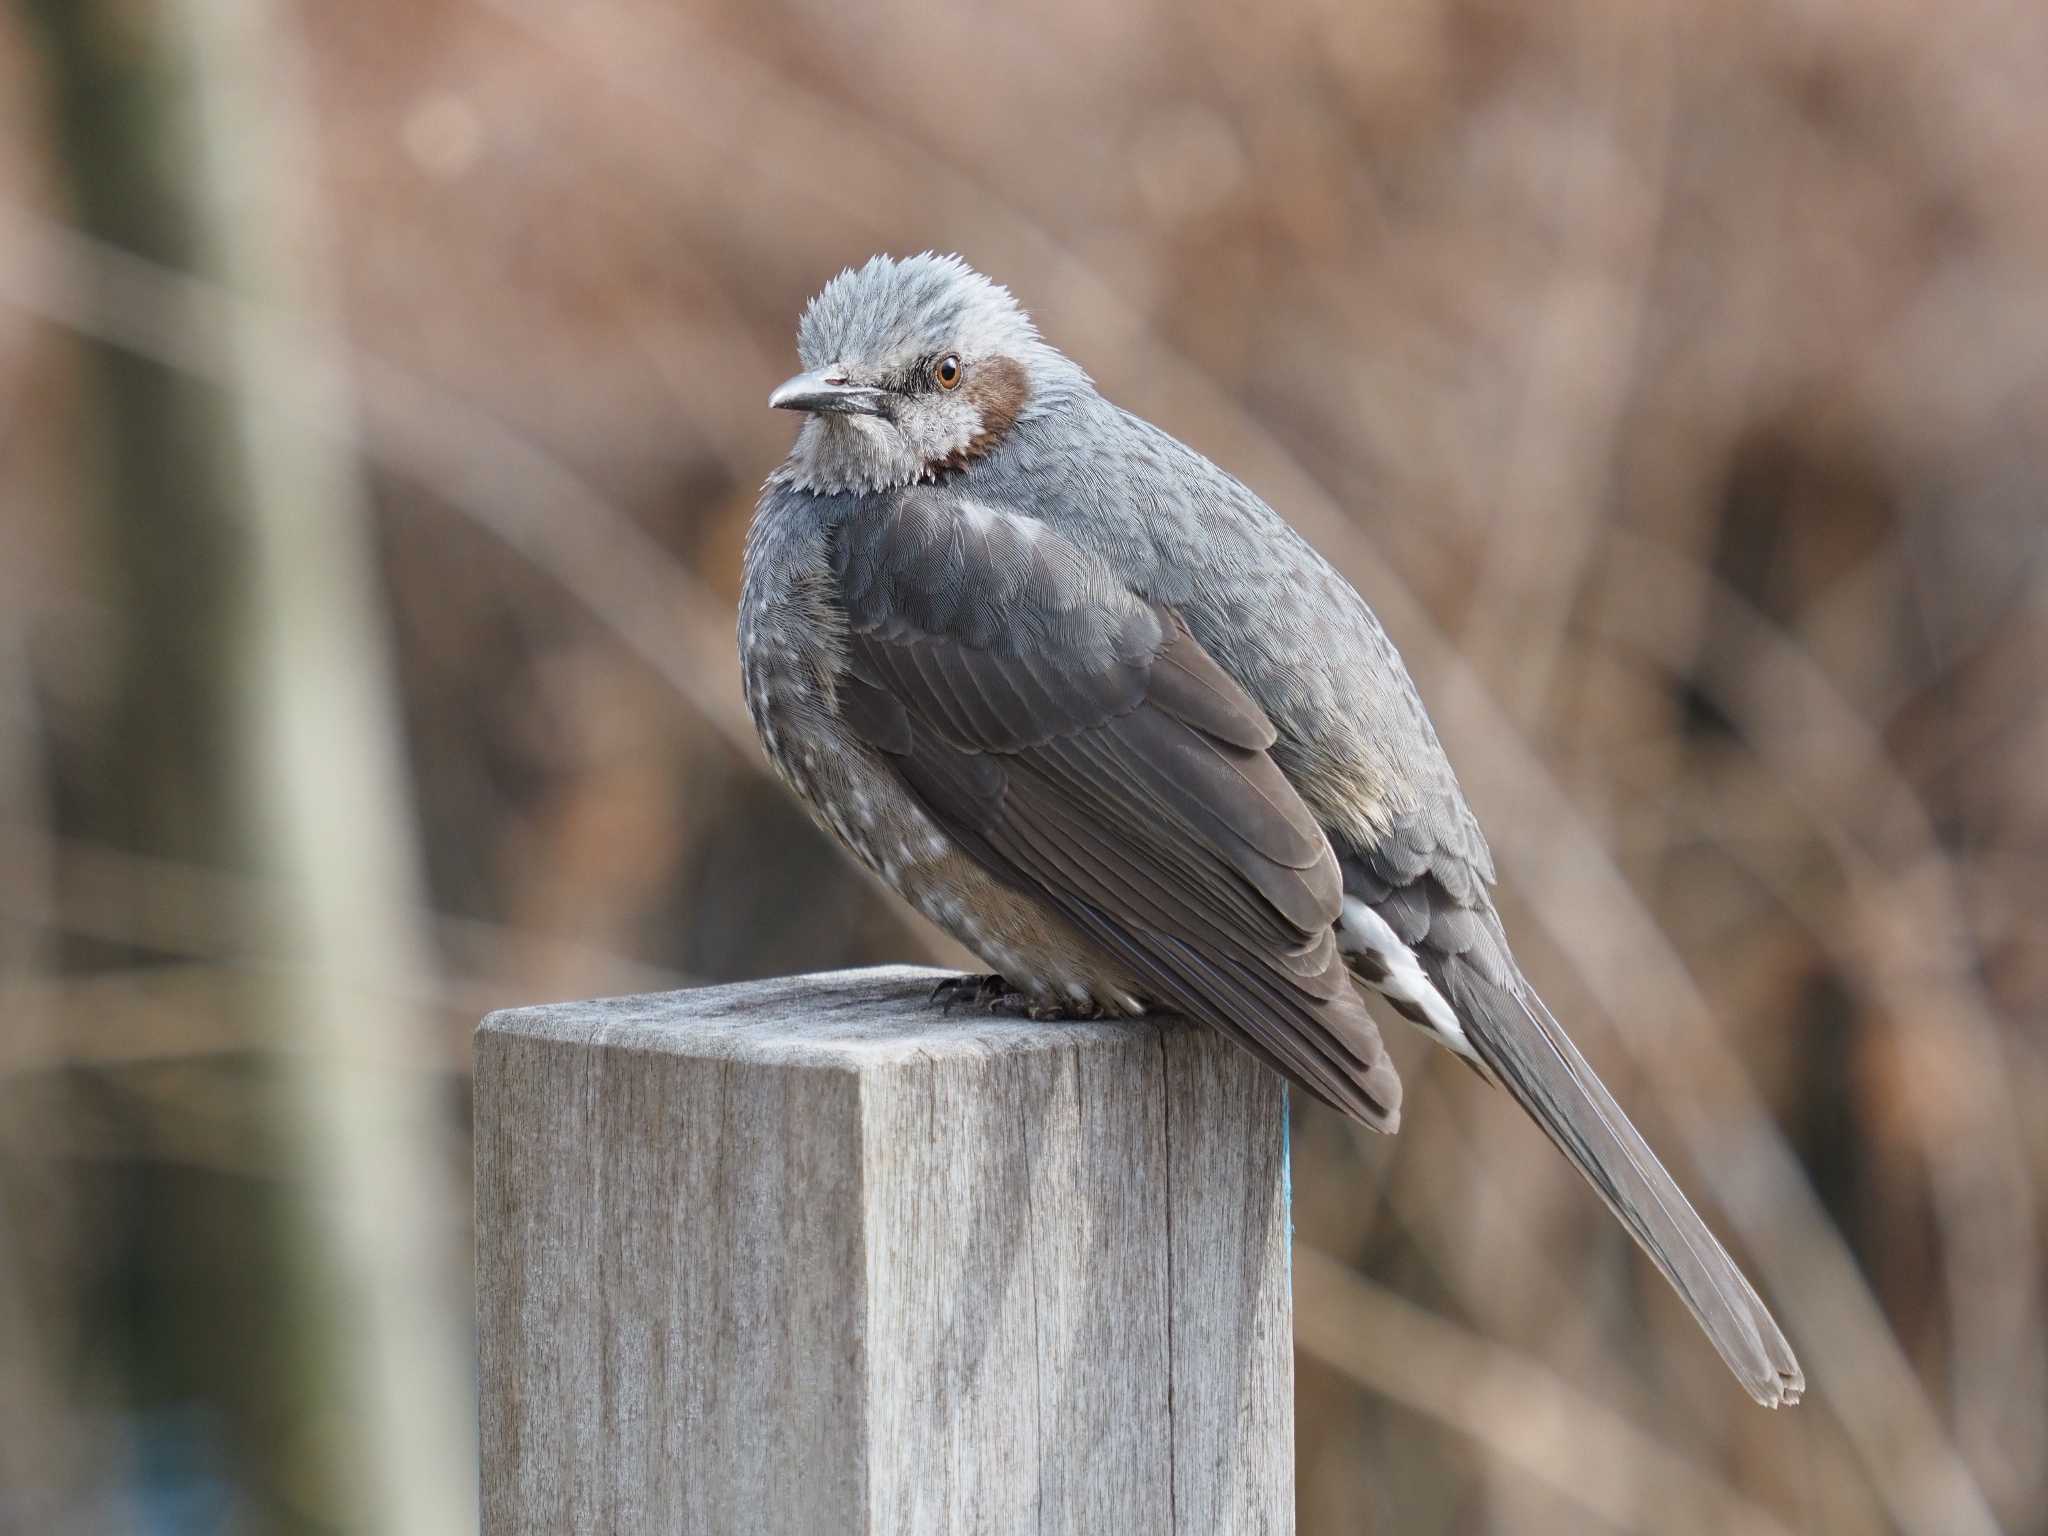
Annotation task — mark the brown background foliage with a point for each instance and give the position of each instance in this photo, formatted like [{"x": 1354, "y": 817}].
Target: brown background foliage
[{"x": 1670, "y": 375}]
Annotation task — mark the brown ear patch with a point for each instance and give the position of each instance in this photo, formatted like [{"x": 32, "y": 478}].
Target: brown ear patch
[{"x": 999, "y": 388}]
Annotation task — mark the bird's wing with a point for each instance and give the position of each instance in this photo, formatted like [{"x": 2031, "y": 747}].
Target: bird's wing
[
  {"x": 1419, "y": 924},
  {"x": 1077, "y": 742}
]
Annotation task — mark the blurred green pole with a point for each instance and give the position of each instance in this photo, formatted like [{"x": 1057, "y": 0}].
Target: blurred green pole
[
  {"x": 48, "y": 1460},
  {"x": 256, "y": 723}
]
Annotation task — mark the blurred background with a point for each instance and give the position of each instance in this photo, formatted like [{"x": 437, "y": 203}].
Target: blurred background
[{"x": 381, "y": 409}]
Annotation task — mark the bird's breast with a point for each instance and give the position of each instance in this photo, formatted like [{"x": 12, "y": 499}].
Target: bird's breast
[
  {"x": 792, "y": 649},
  {"x": 853, "y": 794}
]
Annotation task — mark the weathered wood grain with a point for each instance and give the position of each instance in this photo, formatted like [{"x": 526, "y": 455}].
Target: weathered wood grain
[{"x": 812, "y": 1256}]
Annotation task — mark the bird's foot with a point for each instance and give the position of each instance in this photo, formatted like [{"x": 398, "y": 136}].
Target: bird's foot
[
  {"x": 972, "y": 992},
  {"x": 1039, "y": 1010},
  {"x": 992, "y": 994}
]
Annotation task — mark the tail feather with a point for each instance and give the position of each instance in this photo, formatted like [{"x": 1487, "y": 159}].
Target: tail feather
[{"x": 1519, "y": 1041}]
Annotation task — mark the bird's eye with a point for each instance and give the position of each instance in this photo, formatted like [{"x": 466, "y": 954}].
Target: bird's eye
[{"x": 946, "y": 372}]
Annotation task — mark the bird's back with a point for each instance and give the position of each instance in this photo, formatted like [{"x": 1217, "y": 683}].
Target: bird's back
[{"x": 1280, "y": 619}]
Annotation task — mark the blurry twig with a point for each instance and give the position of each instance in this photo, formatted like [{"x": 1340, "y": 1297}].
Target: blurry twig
[
  {"x": 1911, "y": 908},
  {"x": 179, "y": 909},
  {"x": 1520, "y": 1412},
  {"x": 1587, "y": 329},
  {"x": 198, "y": 1009},
  {"x": 1494, "y": 1231}
]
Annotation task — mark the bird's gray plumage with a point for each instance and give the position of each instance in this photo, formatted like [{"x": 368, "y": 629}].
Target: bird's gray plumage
[{"x": 1094, "y": 706}]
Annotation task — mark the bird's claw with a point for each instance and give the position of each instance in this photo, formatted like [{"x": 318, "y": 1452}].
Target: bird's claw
[
  {"x": 1022, "y": 1005},
  {"x": 972, "y": 992},
  {"x": 992, "y": 994}
]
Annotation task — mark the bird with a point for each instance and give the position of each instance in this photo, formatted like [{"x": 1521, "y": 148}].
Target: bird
[{"x": 1093, "y": 707}]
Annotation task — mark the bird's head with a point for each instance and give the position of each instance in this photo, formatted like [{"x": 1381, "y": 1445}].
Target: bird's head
[{"x": 915, "y": 369}]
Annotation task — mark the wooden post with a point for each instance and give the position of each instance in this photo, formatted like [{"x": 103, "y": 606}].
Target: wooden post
[{"x": 811, "y": 1255}]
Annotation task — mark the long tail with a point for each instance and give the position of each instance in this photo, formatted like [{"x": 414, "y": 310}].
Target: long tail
[{"x": 1516, "y": 1038}]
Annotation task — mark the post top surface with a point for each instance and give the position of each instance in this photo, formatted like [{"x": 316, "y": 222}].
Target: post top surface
[{"x": 846, "y": 1019}]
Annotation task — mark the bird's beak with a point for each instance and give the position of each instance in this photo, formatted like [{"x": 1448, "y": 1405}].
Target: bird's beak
[{"x": 829, "y": 390}]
